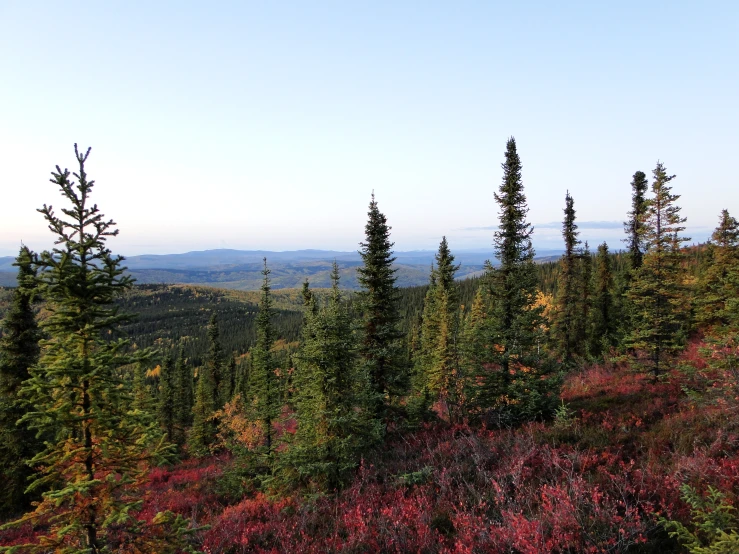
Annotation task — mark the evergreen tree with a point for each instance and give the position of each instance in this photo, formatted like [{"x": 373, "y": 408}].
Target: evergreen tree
[
  {"x": 512, "y": 377},
  {"x": 100, "y": 449},
  {"x": 229, "y": 385},
  {"x": 657, "y": 293},
  {"x": 334, "y": 423},
  {"x": 215, "y": 364},
  {"x": 264, "y": 383},
  {"x": 437, "y": 365},
  {"x": 585, "y": 300},
  {"x": 380, "y": 348},
  {"x": 603, "y": 318},
  {"x": 183, "y": 398},
  {"x": 19, "y": 351},
  {"x": 204, "y": 428},
  {"x": 634, "y": 227},
  {"x": 569, "y": 317},
  {"x": 142, "y": 398},
  {"x": 166, "y": 402},
  {"x": 719, "y": 285}
]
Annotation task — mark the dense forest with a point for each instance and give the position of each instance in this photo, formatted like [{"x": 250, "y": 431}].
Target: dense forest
[{"x": 583, "y": 405}]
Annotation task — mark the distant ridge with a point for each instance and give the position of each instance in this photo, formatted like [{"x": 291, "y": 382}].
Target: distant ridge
[{"x": 241, "y": 269}]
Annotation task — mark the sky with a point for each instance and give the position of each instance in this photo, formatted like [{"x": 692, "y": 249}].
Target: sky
[{"x": 267, "y": 125}]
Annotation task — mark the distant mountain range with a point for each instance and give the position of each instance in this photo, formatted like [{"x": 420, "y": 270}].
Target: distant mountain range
[{"x": 241, "y": 269}]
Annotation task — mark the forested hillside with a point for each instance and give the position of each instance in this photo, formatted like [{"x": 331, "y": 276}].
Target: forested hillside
[{"x": 582, "y": 405}]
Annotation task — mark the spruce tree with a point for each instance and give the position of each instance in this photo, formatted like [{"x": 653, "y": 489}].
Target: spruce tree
[
  {"x": 334, "y": 422},
  {"x": 512, "y": 377},
  {"x": 203, "y": 432},
  {"x": 381, "y": 347},
  {"x": 215, "y": 364},
  {"x": 99, "y": 448},
  {"x": 657, "y": 293},
  {"x": 585, "y": 301},
  {"x": 569, "y": 317},
  {"x": 167, "y": 397},
  {"x": 183, "y": 398},
  {"x": 718, "y": 285},
  {"x": 603, "y": 323},
  {"x": 634, "y": 226},
  {"x": 437, "y": 365},
  {"x": 19, "y": 351},
  {"x": 264, "y": 383},
  {"x": 143, "y": 400}
]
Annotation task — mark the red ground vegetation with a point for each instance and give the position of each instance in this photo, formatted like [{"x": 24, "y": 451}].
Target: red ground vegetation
[{"x": 594, "y": 480}]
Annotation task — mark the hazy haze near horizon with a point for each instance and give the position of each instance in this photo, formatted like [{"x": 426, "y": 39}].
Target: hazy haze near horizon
[{"x": 267, "y": 126}]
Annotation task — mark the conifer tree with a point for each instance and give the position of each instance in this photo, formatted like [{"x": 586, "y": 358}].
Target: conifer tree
[
  {"x": 719, "y": 284},
  {"x": 512, "y": 376},
  {"x": 203, "y": 431},
  {"x": 634, "y": 227},
  {"x": 603, "y": 321},
  {"x": 143, "y": 401},
  {"x": 585, "y": 300},
  {"x": 437, "y": 365},
  {"x": 264, "y": 383},
  {"x": 183, "y": 398},
  {"x": 99, "y": 448},
  {"x": 215, "y": 364},
  {"x": 566, "y": 328},
  {"x": 380, "y": 348},
  {"x": 19, "y": 351},
  {"x": 166, "y": 402},
  {"x": 657, "y": 293},
  {"x": 334, "y": 422}
]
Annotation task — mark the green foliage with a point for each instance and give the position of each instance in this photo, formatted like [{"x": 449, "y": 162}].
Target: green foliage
[
  {"x": 716, "y": 303},
  {"x": 263, "y": 380},
  {"x": 509, "y": 367},
  {"x": 100, "y": 447},
  {"x": 437, "y": 364},
  {"x": 566, "y": 328},
  {"x": 166, "y": 402},
  {"x": 634, "y": 226},
  {"x": 203, "y": 432},
  {"x": 335, "y": 423},
  {"x": 378, "y": 300},
  {"x": 714, "y": 525},
  {"x": 214, "y": 364},
  {"x": 19, "y": 350},
  {"x": 184, "y": 398},
  {"x": 657, "y": 294},
  {"x": 603, "y": 317}
]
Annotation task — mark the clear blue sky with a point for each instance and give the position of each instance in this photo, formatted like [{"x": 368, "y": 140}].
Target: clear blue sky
[{"x": 266, "y": 125}]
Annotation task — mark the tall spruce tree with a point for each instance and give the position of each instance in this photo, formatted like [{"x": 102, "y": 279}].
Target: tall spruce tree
[
  {"x": 166, "y": 403},
  {"x": 719, "y": 285},
  {"x": 264, "y": 382},
  {"x": 99, "y": 448},
  {"x": 657, "y": 293},
  {"x": 603, "y": 323},
  {"x": 512, "y": 378},
  {"x": 19, "y": 351},
  {"x": 381, "y": 343},
  {"x": 566, "y": 329},
  {"x": 334, "y": 422},
  {"x": 183, "y": 398},
  {"x": 214, "y": 363},
  {"x": 203, "y": 432},
  {"x": 585, "y": 300},
  {"x": 437, "y": 369},
  {"x": 634, "y": 226}
]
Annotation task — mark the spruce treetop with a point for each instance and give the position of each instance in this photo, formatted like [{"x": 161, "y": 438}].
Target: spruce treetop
[{"x": 513, "y": 237}]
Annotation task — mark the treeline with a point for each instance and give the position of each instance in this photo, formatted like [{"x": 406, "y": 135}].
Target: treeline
[{"x": 299, "y": 397}]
